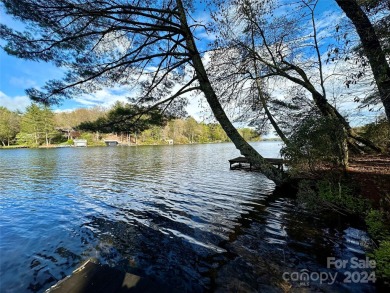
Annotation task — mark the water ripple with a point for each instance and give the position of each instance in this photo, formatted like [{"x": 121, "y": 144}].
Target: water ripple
[{"x": 148, "y": 210}]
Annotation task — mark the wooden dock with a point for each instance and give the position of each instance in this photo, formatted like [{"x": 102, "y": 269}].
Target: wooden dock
[
  {"x": 92, "y": 277},
  {"x": 111, "y": 142},
  {"x": 243, "y": 162}
]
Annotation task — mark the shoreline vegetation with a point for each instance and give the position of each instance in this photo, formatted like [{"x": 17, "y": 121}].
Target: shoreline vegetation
[{"x": 39, "y": 127}]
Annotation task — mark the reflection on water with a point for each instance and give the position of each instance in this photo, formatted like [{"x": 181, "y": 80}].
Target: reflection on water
[{"x": 176, "y": 214}]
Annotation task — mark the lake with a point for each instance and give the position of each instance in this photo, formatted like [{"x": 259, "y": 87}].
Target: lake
[{"x": 175, "y": 214}]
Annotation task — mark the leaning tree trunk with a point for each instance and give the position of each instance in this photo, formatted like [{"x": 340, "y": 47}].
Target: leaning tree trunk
[
  {"x": 248, "y": 151},
  {"x": 372, "y": 49}
]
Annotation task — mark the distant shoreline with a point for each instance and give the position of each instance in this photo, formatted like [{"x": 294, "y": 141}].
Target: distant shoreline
[{"x": 58, "y": 146}]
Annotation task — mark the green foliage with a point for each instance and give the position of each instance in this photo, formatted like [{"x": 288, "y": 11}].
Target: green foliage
[
  {"x": 151, "y": 136},
  {"x": 317, "y": 140},
  {"x": 249, "y": 134},
  {"x": 71, "y": 119},
  {"x": 26, "y": 139},
  {"x": 382, "y": 258},
  {"x": 378, "y": 133},
  {"x": 126, "y": 118},
  {"x": 93, "y": 139},
  {"x": 340, "y": 197},
  {"x": 57, "y": 138},
  {"x": 9, "y": 126},
  {"x": 191, "y": 130},
  {"x": 215, "y": 132},
  {"x": 183, "y": 132},
  {"x": 37, "y": 126},
  {"x": 376, "y": 226},
  {"x": 331, "y": 194}
]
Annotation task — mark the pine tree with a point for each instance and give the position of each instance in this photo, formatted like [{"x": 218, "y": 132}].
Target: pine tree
[{"x": 37, "y": 126}]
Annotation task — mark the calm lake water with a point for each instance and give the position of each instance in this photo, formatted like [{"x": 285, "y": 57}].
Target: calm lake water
[{"x": 175, "y": 214}]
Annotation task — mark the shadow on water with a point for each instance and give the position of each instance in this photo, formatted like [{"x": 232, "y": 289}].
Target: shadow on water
[
  {"x": 282, "y": 238},
  {"x": 274, "y": 237}
]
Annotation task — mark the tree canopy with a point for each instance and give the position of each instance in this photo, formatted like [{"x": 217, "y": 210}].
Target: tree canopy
[
  {"x": 9, "y": 125},
  {"x": 37, "y": 126},
  {"x": 126, "y": 118}
]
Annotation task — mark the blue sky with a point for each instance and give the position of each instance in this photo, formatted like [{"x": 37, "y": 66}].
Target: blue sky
[{"x": 16, "y": 75}]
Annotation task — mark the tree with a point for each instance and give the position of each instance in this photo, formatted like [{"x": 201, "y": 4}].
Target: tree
[
  {"x": 176, "y": 131},
  {"x": 48, "y": 128},
  {"x": 191, "y": 129},
  {"x": 249, "y": 134},
  {"x": 312, "y": 144},
  {"x": 270, "y": 48},
  {"x": 37, "y": 126},
  {"x": 379, "y": 132},
  {"x": 126, "y": 118},
  {"x": 115, "y": 42},
  {"x": 69, "y": 120},
  {"x": 241, "y": 86},
  {"x": 31, "y": 126},
  {"x": 9, "y": 125},
  {"x": 217, "y": 133},
  {"x": 372, "y": 49}
]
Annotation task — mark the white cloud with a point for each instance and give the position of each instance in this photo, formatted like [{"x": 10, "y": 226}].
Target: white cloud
[
  {"x": 206, "y": 36},
  {"x": 195, "y": 108},
  {"x": 107, "y": 97},
  {"x": 14, "y": 103},
  {"x": 104, "y": 97},
  {"x": 22, "y": 82}
]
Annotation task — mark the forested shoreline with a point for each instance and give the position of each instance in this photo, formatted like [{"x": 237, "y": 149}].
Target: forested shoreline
[{"x": 39, "y": 126}]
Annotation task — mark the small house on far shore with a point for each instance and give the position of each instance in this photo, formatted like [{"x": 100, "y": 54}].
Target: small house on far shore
[
  {"x": 69, "y": 133},
  {"x": 80, "y": 142},
  {"x": 111, "y": 143}
]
